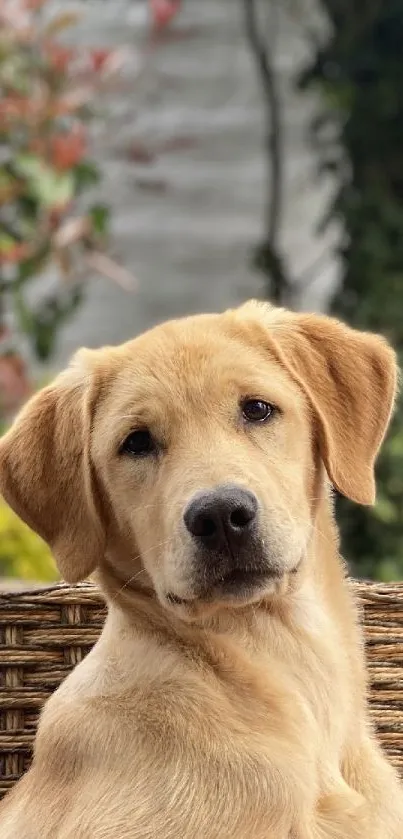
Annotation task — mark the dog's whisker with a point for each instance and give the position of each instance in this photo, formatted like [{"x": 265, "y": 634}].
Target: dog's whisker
[
  {"x": 138, "y": 557},
  {"x": 130, "y": 580}
]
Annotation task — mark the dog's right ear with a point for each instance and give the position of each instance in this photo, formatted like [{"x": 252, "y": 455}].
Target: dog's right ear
[
  {"x": 349, "y": 379},
  {"x": 46, "y": 474}
]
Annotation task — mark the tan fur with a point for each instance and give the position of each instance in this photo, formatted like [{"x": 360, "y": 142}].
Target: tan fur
[{"x": 214, "y": 718}]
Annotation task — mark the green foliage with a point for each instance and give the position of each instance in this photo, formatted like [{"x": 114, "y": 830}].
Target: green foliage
[
  {"x": 22, "y": 553},
  {"x": 42, "y": 325},
  {"x": 359, "y": 137},
  {"x": 46, "y": 90}
]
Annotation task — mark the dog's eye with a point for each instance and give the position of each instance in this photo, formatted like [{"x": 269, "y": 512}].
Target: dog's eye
[
  {"x": 138, "y": 443},
  {"x": 255, "y": 410}
]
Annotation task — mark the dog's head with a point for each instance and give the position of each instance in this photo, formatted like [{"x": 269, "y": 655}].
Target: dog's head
[{"x": 193, "y": 456}]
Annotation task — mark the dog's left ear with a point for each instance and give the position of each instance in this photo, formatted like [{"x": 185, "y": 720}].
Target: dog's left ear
[
  {"x": 349, "y": 378},
  {"x": 46, "y": 473}
]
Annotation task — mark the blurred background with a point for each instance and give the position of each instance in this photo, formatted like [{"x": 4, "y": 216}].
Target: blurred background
[{"x": 165, "y": 157}]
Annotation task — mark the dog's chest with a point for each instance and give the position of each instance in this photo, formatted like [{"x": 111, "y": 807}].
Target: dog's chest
[
  {"x": 195, "y": 756},
  {"x": 192, "y": 792},
  {"x": 186, "y": 765}
]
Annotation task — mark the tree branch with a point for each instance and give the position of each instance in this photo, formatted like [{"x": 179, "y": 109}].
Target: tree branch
[
  {"x": 268, "y": 257},
  {"x": 274, "y": 132}
]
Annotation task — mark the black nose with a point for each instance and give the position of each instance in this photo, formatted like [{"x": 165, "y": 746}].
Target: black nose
[{"x": 222, "y": 518}]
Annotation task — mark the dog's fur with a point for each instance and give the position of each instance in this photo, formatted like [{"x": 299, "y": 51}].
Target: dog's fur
[{"x": 203, "y": 715}]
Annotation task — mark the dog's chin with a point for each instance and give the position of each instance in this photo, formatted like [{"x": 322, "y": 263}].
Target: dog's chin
[{"x": 236, "y": 590}]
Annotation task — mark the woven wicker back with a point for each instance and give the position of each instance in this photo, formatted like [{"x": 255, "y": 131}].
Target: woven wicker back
[{"x": 44, "y": 633}]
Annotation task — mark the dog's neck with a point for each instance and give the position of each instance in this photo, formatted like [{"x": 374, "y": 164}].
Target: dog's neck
[{"x": 319, "y": 579}]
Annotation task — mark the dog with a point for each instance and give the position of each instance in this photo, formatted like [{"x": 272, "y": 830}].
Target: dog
[{"x": 190, "y": 472}]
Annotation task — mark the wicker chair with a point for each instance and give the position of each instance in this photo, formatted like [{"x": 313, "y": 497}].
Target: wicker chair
[{"x": 44, "y": 633}]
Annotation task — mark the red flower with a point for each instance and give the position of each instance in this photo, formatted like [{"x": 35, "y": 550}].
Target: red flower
[
  {"x": 98, "y": 58},
  {"x": 68, "y": 149},
  {"x": 59, "y": 57},
  {"x": 163, "y": 11}
]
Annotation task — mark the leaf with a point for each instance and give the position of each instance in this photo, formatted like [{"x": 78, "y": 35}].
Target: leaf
[
  {"x": 61, "y": 22},
  {"x": 86, "y": 174},
  {"x": 99, "y": 215},
  {"x": 28, "y": 207},
  {"x": 42, "y": 325},
  {"x": 28, "y": 165},
  {"x": 31, "y": 267},
  {"x": 55, "y": 189},
  {"x": 51, "y": 188},
  {"x": 25, "y": 317}
]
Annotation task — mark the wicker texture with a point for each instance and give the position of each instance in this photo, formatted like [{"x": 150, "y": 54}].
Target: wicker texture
[{"x": 44, "y": 633}]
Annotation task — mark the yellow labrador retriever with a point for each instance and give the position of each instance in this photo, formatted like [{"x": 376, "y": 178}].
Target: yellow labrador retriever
[{"x": 190, "y": 470}]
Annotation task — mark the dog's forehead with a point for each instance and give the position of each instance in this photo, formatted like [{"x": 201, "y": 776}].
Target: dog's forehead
[
  {"x": 201, "y": 362},
  {"x": 194, "y": 352}
]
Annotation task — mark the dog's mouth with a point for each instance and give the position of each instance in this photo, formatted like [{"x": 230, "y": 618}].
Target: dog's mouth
[
  {"x": 238, "y": 583},
  {"x": 241, "y": 579}
]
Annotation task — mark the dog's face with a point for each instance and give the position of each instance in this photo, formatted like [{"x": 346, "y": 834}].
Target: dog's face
[
  {"x": 193, "y": 456},
  {"x": 204, "y": 450}
]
